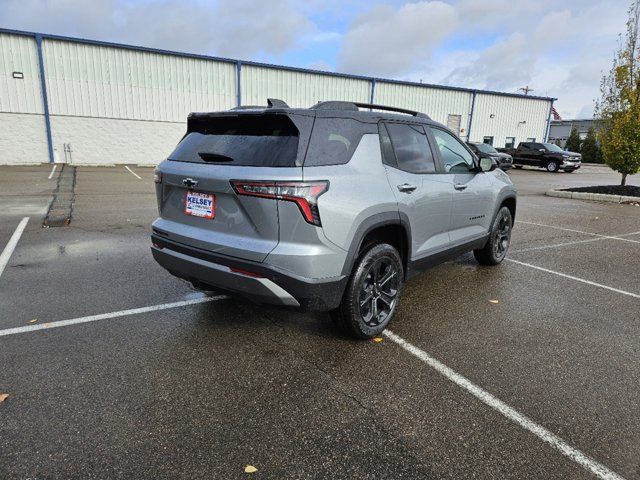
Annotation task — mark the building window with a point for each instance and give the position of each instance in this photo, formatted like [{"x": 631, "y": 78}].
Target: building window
[
  {"x": 531, "y": 139},
  {"x": 487, "y": 140},
  {"x": 454, "y": 122},
  {"x": 510, "y": 142}
]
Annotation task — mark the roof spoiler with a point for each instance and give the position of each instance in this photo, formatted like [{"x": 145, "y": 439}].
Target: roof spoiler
[{"x": 355, "y": 106}]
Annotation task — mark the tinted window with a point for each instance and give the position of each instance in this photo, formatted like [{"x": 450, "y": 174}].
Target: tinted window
[
  {"x": 388, "y": 156},
  {"x": 411, "y": 148},
  {"x": 455, "y": 157},
  {"x": 552, "y": 147},
  {"x": 485, "y": 148},
  {"x": 333, "y": 140},
  {"x": 264, "y": 141}
]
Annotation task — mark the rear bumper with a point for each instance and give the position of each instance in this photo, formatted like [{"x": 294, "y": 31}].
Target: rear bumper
[{"x": 261, "y": 283}]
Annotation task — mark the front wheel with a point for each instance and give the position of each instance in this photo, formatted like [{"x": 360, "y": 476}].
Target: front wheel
[
  {"x": 552, "y": 166},
  {"x": 499, "y": 238},
  {"x": 372, "y": 294}
]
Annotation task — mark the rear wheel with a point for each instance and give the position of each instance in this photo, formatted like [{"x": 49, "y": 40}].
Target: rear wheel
[
  {"x": 552, "y": 166},
  {"x": 372, "y": 294},
  {"x": 499, "y": 238}
]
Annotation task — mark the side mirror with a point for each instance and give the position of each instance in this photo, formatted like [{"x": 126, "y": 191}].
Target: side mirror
[{"x": 487, "y": 165}]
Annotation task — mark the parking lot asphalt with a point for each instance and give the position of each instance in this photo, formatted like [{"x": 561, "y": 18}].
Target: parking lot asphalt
[{"x": 204, "y": 389}]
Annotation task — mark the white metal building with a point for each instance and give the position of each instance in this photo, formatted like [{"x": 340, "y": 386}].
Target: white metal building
[{"x": 89, "y": 102}]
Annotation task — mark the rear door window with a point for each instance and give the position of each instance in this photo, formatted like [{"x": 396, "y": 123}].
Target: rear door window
[
  {"x": 333, "y": 140},
  {"x": 411, "y": 148},
  {"x": 257, "y": 141}
]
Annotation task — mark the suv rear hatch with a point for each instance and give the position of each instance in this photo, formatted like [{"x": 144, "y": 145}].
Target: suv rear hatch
[{"x": 196, "y": 198}]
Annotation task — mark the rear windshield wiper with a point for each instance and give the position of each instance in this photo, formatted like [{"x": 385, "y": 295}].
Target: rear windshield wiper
[{"x": 214, "y": 157}]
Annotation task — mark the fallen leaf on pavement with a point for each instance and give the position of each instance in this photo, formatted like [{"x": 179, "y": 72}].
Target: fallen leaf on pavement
[
  {"x": 3, "y": 397},
  {"x": 250, "y": 469},
  {"x": 34, "y": 320},
  {"x": 377, "y": 339},
  {"x": 494, "y": 301}
]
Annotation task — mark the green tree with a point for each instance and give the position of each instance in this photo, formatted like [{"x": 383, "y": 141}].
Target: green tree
[
  {"x": 590, "y": 148},
  {"x": 619, "y": 105},
  {"x": 573, "y": 142}
]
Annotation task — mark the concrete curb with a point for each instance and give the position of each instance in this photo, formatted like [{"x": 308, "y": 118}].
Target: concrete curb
[{"x": 596, "y": 197}]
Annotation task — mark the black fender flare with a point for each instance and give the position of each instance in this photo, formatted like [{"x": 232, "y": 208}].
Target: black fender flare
[{"x": 371, "y": 223}]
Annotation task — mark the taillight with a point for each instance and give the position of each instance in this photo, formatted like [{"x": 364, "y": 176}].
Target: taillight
[
  {"x": 304, "y": 194},
  {"x": 157, "y": 177}
]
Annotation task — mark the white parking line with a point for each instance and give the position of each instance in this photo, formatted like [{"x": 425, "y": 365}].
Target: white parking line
[
  {"x": 580, "y": 231},
  {"x": 555, "y": 245},
  {"x": 577, "y": 279},
  {"x": 52, "y": 171},
  {"x": 542, "y": 433},
  {"x": 11, "y": 246},
  {"x": 133, "y": 173},
  {"x": 106, "y": 316}
]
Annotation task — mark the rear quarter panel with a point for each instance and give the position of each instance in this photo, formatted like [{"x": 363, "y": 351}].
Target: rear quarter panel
[{"x": 358, "y": 190}]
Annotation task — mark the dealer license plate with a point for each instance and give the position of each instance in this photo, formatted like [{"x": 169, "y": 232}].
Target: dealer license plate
[{"x": 200, "y": 205}]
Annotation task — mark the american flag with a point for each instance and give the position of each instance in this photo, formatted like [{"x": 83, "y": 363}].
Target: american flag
[{"x": 556, "y": 115}]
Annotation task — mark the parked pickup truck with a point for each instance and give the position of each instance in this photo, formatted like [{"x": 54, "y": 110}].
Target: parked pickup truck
[{"x": 544, "y": 155}]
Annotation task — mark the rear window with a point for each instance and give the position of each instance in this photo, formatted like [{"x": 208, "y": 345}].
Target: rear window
[
  {"x": 256, "y": 141},
  {"x": 334, "y": 140}
]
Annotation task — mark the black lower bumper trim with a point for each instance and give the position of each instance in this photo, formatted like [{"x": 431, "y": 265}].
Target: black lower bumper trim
[{"x": 311, "y": 294}]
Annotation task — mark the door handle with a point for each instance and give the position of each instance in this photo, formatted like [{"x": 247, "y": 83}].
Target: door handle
[
  {"x": 460, "y": 186},
  {"x": 406, "y": 188}
]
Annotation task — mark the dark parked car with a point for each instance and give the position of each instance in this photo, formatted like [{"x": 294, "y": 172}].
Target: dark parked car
[
  {"x": 544, "y": 155},
  {"x": 484, "y": 150}
]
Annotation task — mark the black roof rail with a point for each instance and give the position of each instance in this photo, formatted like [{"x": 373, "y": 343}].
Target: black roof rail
[
  {"x": 249, "y": 107},
  {"x": 276, "y": 103},
  {"x": 354, "y": 106},
  {"x": 335, "y": 105},
  {"x": 373, "y": 106}
]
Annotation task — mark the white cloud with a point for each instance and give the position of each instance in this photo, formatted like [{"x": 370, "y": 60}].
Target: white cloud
[
  {"x": 559, "y": 52},
  {"x": 557, "y": 48},
  {"x": 240, "y": 28},
  {"x": 388, "y": 41}
]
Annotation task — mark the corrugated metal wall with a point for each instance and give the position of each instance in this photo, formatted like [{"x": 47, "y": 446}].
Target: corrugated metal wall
[
  {"x": 19, "y": 54},
  {"x": 299, "y": 89},
  {"x": 435, "y": 102},
  {"x": 517, "y": 117},
  {"x": 97, "y": 81},
  {"x": 23, "y": 137},
  {"x": 117, "y": 85}
]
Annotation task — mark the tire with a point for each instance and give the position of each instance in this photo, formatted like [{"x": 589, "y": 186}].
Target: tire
[
  {"x": 552, "y": 166},
  {"x": 372, "y": 294},
  {"x": 497, "y": 246}
]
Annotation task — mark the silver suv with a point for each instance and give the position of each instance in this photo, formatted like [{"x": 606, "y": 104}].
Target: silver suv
[{"x": 329, "y": 208}]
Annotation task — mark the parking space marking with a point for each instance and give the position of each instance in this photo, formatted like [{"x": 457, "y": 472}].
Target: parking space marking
[
  {"x": 598, "y": 469},
  {"x": 53, "y": 170},
  {"x": 11, "y": 245},
  {"x": 580, "y": 231},
  {"x": 133, "y": 173},
  {"x": 106, "y": 316},
  {"x": 554, "y": 245},
  {"x": 577, "y": 279}
]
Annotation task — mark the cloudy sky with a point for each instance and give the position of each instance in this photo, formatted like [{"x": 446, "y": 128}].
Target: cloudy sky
[{"x": 557, "y": 47}]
